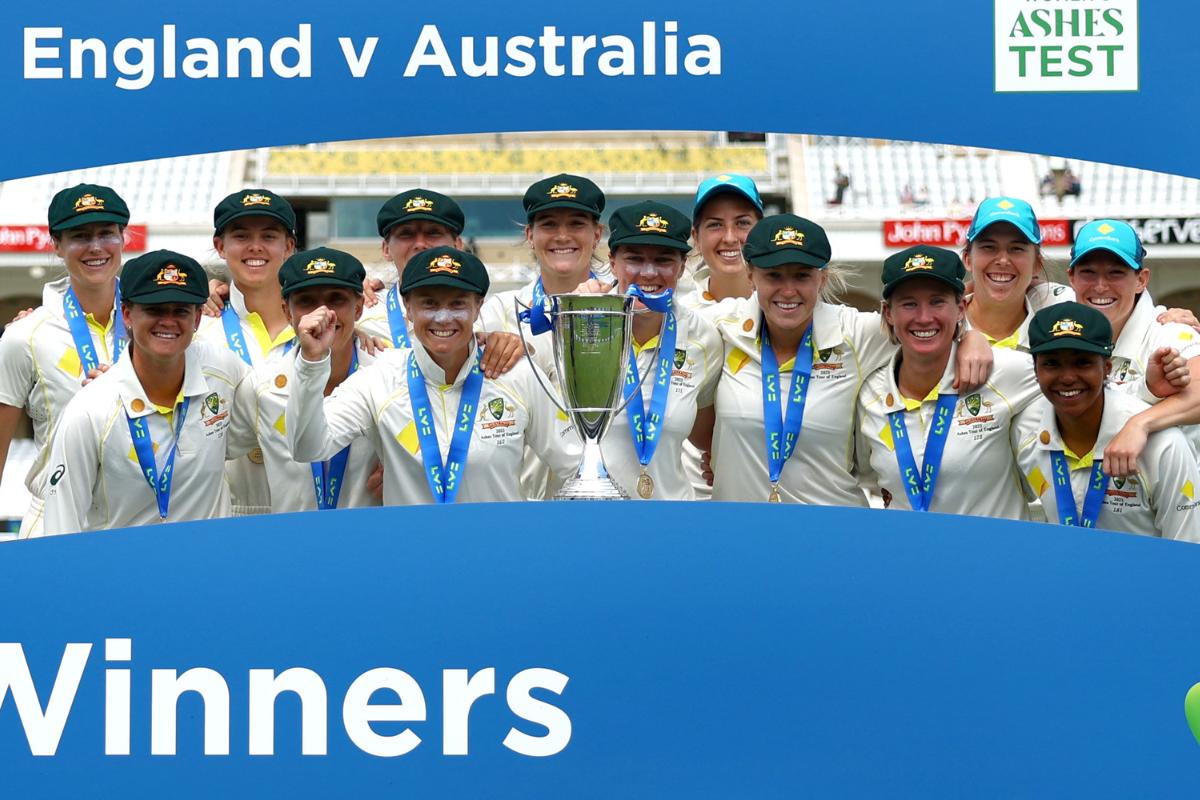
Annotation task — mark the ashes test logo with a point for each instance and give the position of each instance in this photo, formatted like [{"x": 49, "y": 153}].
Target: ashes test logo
[{"x": 1066, "y": 45}]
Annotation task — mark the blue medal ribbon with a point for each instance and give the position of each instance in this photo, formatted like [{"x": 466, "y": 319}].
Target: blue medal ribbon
[
  {"x": 444, "y": 479},
  {"x": 395, "y": 315},
  {"x": 535, "y": 316},
  {"x": 1065, "y": 497},
  {"x": 919, "y": 483},
  {"x": 782, "y": 432},
  {"x": 143, "y": 447},
  {"x": 327, "y": 475},
  {"x": 646, "y": 427},
  {"x": 82, "y": 334},
  {"x": 233, "y": 333}
]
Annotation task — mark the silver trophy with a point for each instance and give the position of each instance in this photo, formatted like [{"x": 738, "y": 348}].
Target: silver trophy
[{"x": 592, "y": 334}]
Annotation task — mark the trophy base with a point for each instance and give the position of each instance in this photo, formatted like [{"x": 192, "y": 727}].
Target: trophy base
[{"x": 591, "y": 489}]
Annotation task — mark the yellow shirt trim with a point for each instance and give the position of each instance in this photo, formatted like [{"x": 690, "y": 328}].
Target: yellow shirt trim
[
  {"x": 1075, "y": 462},
  {"x": 913, "y": 405},
  {"x": 650, "y": 344},
  {"x": 1008, "y": 342},
  {"x": 265, "y": 343},
  {"x": 101, "y": 332}
]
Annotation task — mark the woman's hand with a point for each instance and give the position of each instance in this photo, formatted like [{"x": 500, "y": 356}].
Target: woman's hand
[
  {"x": 973, "y": 365},
  {"x": 1167, "y": 372},
  {"x": 501, "y": 352},
  {"x": 371, "y": 289},
  {"x": 218, "y": 293},
  {"x": 315, "y": 331},
  {"x": 1121, "y": 455}
]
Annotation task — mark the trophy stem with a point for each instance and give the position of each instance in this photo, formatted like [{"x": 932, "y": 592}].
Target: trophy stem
[{"x": 592, "y": 481}]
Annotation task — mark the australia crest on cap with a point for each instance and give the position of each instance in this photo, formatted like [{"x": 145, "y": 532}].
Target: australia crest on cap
[
  {"x": 320, "y": 266},
  {"x": 414, "y": 204},
  {"x": 256, "y": 199},
  {"x": 1066, "y": 327},
  {"x": 562, "y": 191},
  {"x": 918, "y": 261},
  {"x": 653, "y": 223},
  {"x": 89, "y": 202},
  {"x": 171, "y": 275},
  {"x": 788, "y": 236},
  {"x": 445, "y": 264}
]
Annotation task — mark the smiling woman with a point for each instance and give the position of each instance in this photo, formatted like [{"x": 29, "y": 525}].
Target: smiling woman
[
  {"x": 75, "y": 333},
  {"x": 146, "y": 441},
  {"x": 444, "y": 431},
  {"x": 914, "y": 425}
]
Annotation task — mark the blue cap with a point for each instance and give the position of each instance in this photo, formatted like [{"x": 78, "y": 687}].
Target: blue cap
[
  {"x": 726, "y": 182},
  {"x": 1112, "y": 235},
  {"x": 1006, "y": 209}
]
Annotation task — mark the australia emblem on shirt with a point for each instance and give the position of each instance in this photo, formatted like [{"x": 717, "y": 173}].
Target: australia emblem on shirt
[{"x": 497, "y": 421}]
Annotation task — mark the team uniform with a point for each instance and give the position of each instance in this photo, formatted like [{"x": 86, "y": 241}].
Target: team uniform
[
  {"x": 265, "y": 397},
  {"x": 1141, "y": 336},
  {"x": 243, "y": 332},
  {"x": 95, "y": 480},
  {"x": 695, "y": 370},
  {"x": 1160, "y": 500},
  {"x": 978, "y": 473},
  {"x": 848, "y": 345},
  {"x": 374, "y": 403},
  {"x": 41, "y": 370}
]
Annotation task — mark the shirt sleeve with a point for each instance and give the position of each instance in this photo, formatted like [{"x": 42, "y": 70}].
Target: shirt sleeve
[
  {"x": 714, "y": 352},
  {"x": 16, "y": 366},
  {"x": 318, "y": 427},
  {"x": 863, "y": 472},
  {"x": 550, "y": 435},
  {"x": 74, "y": 464},
  {"x": 870, "y": 341},
  {"x": 242, "y": 436},
  {"x": 1176, "y": 508}
]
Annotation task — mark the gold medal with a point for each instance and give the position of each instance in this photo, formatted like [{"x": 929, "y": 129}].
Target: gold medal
[
  {"x": 774, "y": 498},
  {"x": 645, "y": 486},
  {"x": 256, "y": 455}
]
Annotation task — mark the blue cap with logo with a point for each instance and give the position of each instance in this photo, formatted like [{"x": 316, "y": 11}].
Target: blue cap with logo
[
  {"x": 1006, "y": 209},
  {"x": 1117, "y": 237},
  {"x": 726, "y": 183}
]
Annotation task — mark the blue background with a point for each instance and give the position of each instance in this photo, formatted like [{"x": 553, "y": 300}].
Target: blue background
[
  {"x": 713, "y": 650},
  {"x": 915, "y": 71}
]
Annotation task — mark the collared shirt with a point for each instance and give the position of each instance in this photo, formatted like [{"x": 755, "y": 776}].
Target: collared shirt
[
  {"x": 1037, "y": 298},
  {"x": 1140, "y": 337},
  {"x": 849, "y": 346},
  {"x": 978, "y": 474},
  {"x": 291, "y": 482},
  {"x": 95, "y": 481},
  {"x": 247, "y": 477},
  {"x": 696, "y": 367},
  {"x": 40, "y": 370},
  {"x": 1162, "y": 499},
  {"x": 374, "y": 402}
]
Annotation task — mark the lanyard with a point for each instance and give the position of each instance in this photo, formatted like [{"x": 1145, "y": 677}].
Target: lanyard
[
  {"x": 143, "y": 447},
  {"x": 781, "y": 432},
  {"x": 444, "y": 479},
  {"x": 395, "y": 314},
  {"x": 233, "y": 333},
  {"x": 646, "y": 427},
  {"x": 82, "y": 334},
  {"x": 327, "y": 475},
  {"x": 919, "y": 484},
  {"x": 535, "y": 316},
  {"x": 1092, "y": 501}
]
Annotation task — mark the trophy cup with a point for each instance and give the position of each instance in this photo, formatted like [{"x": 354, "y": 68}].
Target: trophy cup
[{"x": 592, "y": 334}]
